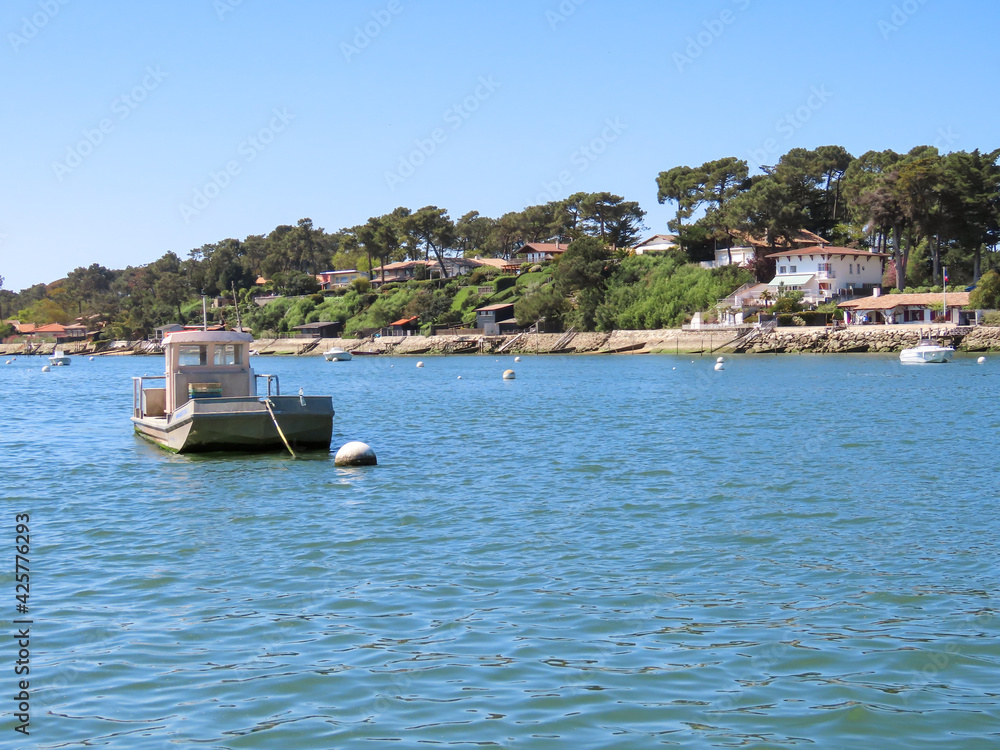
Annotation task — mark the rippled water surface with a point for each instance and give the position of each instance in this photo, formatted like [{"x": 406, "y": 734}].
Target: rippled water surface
[{"x": 608, "y": 551}]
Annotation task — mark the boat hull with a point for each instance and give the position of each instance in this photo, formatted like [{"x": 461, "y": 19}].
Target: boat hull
[
  {"x": 59, "y": 361},
  {"x": 242, "y": 424},
  {"x": 337, "y": 355}
]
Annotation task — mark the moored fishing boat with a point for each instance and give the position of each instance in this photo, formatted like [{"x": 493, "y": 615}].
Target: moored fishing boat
[
  {"x": 337, "y": 354},
  {"x": 59, "y": 357},
  {"x": 926, "y": 352},
  {"x": 208, "y": 401}
]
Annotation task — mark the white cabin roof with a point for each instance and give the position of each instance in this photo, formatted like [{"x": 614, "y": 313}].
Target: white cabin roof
[{"x": 207, "y": 337}]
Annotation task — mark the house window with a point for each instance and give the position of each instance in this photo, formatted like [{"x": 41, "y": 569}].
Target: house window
[
  {"x": 781, "y": 269},
  {"x": 850, "y": 268},
  {"x": 823, "y": 267},
  {"x": 791, "y": 269}
]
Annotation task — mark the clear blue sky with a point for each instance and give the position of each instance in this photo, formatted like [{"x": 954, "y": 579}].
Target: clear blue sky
[{"x": 279, "y": 111}]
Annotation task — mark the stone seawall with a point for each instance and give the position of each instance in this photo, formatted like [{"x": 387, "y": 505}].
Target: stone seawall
[
  {"x": 667, "y": 341},
  {"x": 871, "y": 339}
]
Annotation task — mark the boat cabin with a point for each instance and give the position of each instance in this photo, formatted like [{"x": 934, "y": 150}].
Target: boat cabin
[{"x": 202, "y": 364}]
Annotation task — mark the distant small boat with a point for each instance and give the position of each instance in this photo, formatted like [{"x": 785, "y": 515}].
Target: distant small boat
[
  {"x": 59, "y": 357},
  {"x": 336, "y": 354},
  {"x": 926, "y": 352},
  {"x": 208, "y": 401}
]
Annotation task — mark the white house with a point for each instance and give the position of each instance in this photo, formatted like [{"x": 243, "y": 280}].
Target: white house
[
  {"x": 658, "y": 243},
  {"x": 822, "y": 272},
  {"x": 735, "y": 256},
  {"x": 337, "y": 279}
]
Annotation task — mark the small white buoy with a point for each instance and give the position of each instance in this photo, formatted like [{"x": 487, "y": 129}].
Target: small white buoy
[
  {"x": 459, "y": 377},
  {"x": 355, "y": 453},
  {"x": 420, "y": 364},
  {"x": 673, "y": 368},
  {"x": 517, "y": 359},
  {"x": 981, "y": 361},
  {"x": 91, "y": 359},
  {"x": 8, "y": 361},
  {"x": 721, "y": 359},
  {"x": 45, "y": 368},
  {"x": 719, "y": 366},
  {"x": 508, "y": 374}
]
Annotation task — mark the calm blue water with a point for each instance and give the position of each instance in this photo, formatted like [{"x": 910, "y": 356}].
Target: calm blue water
[{"x": 608, "y": 551}]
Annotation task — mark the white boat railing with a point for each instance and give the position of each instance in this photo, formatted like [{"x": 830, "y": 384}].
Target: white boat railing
[
  {"x": 269, "y": 378},
  {"x": 137, "y": 388}
]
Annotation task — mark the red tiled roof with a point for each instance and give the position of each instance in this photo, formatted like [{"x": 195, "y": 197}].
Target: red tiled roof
[
  {"x": 51, "y": 328},
  {"x": 404, "y": 321},
  {"x": 889, "y": 301}
]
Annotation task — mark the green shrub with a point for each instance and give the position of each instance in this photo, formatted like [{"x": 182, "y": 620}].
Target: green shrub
[{"x": 991, "y": 319}]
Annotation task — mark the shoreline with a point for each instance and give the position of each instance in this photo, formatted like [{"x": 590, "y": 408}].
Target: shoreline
[{"x": 797, "y": 340}]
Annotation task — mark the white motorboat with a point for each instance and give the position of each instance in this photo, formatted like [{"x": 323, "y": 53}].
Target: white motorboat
[
  {"x": 926, "y": 352},
  {"x": 208, "y": 401},
  {"x": 336, "y": 354},
  {"x": 59, "y": 357}
]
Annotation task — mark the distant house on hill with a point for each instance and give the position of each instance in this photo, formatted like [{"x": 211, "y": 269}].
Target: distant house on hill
[
  {"x": 748, "y": 246},
  {"x": 338, "y": 279},
  {"x": 658, "y": 243},
  {"x": 540, "y": 252}
]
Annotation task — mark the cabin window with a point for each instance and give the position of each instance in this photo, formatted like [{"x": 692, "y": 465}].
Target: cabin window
[
  {"x": 192, "y": 355},
  {"x": 791, "y": 269},
  {"x": 229, "y": 354},
  {"x": 781, "y": 269}
]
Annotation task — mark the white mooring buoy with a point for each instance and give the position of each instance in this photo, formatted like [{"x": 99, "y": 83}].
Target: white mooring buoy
[
  {"x": 981, "y": 361},
  {"x": 508, "y": 374},
  {"x": 355, "y": 453},
  {"x": 46, "y": 369},
  {"x": 517, "y": 359},
  {"x": 420, "y": 364},
  {"x": 720, "y": 366},
  {"x": 721, "y": 360}
]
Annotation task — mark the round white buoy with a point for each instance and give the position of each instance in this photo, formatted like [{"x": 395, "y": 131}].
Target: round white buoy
[
  {"x": 8, "y": 361},
  {"x": 508, "y": 374},
  {"x": 673, "y": 368},
  {"x": 46, "y": 369},
  {"x": 459, "y": 377},
  {"x": 981, "y": 360},
  {"x": 517, "y": 359},
  {"x": 355, "y": 453},
  {"x": 91, "y": 359},
  {"x": 420, "y": 364},
  {"x": 721, "y": 359},
  {"x": 719, "y": 366}
]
